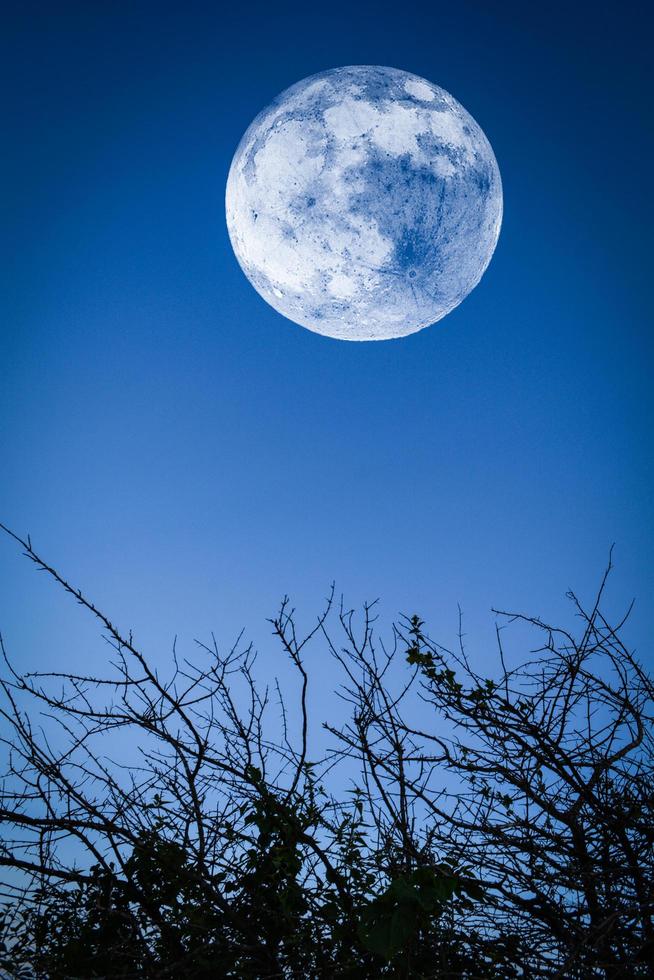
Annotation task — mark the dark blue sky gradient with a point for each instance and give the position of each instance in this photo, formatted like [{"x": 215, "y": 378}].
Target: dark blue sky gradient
[{"x": 186, "y": 455}]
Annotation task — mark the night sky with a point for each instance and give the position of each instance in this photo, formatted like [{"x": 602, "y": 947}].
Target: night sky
[{"x": 187, "y": 456}]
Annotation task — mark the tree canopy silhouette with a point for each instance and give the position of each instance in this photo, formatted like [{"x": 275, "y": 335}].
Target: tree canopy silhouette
[{"x": 455, "y": 824}]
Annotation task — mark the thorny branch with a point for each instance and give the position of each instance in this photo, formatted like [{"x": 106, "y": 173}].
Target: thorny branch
[{"x": 531, "y": 788}]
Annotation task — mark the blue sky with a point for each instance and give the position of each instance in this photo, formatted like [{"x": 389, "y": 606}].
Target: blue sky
[{"x": 187, "y": 456}]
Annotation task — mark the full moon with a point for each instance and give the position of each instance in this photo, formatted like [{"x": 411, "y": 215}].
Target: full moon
[{"x": 364, "y": 203}]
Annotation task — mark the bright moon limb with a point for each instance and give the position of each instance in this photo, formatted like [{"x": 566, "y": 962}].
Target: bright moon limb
[{"x": 364, "y": 203}]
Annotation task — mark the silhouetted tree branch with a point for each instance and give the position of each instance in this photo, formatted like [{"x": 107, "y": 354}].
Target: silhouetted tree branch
[{"x": 495, "y": 825}]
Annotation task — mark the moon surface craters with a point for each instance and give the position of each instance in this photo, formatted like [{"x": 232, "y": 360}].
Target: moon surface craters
[{"x": 364, "y": 203}]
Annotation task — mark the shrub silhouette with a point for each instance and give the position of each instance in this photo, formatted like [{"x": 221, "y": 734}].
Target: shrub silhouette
[{"x": 492, "y": 826}]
